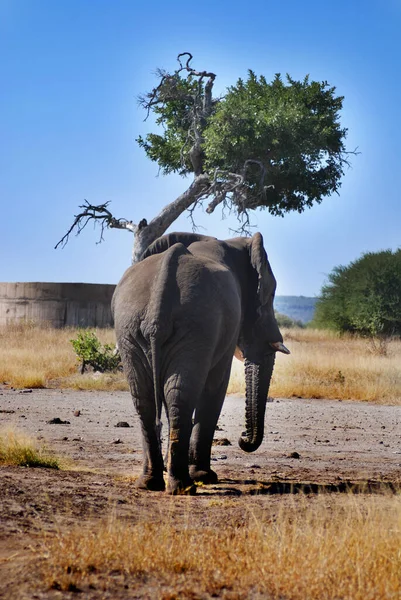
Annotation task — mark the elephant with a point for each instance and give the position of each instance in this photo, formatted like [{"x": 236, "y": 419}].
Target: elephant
[{"x": 180, "y": 314}]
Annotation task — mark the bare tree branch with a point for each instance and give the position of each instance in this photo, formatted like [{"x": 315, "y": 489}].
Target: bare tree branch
[
  {"x": 344, "y": 153},
  {"x": 98, "y": 214},
  {"x": 245, "y": 228},
  {"x": 200, "y": 105},
  {"x": 225, "y": 188},
  {"x": 234, "y": 187},
  {"x": 207, "y": 99},
  {"x": 166, "y": 90},
  {"x": 191, "y": 70},
  {"x": 202, "y": 108},
  {"x": 191, "y": 211},
  {"x": 223, "y": 184}
]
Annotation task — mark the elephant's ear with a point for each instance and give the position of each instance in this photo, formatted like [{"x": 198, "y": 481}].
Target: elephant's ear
[
  {"x": 164, "y": 242},
  {"x": 259, "y": 261}
]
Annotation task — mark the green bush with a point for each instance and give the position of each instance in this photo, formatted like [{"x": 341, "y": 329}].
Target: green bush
[
  {"x": 288, "y": 322},
  {"x": 364, "y": 297},
  {"x": 90, "y": 351}
]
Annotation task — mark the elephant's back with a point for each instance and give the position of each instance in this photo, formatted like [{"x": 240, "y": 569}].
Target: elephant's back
[
  {"x": 205, "y": 284},
  {"x": 177, "y": 294}
]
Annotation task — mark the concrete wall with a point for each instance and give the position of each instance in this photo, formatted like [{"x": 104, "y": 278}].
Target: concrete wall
[{"x": 60, "y": 304}]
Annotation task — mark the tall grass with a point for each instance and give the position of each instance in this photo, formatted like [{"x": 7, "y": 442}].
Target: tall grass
[
  {"x": 321, "y": 365},
  {"x": 38, "y": 356},
  {"x": 347, "y": 550},
  {"x": 324, "y": 365},
  {"x": 20, "y": 450}
]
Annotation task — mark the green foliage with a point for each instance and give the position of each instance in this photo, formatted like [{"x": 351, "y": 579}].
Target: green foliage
[
  {"x": 291, "y": 128},
  {"x": 283, "y": 138},
  {"x": 287, "y": 322},
  {"x": 180, "y": 102},
  {"x": 91, "y": 352},
  {"x": 364, "y": 297}
]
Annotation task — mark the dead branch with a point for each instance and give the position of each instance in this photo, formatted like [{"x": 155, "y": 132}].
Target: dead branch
[
  {"x": 346, "y": 161},
  {"x": 223, "y": 184},
  {"x": 191, "y": 211},
  {"x": 225, "y": 188},
  {"x": 166, "y": 90},
  {"x": 245, "y": 228},
  {"x": 202, "y": 108},
  {"x": 200, "y": 105},
  {"x": 234, "y": 187},
  {"x": 99, "y": 215},
  {"x": 191, "y": 70}
]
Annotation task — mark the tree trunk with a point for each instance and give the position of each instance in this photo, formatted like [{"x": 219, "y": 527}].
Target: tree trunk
[{"x": 146, "y": 234}]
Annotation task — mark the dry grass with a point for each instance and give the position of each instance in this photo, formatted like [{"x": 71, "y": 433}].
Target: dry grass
[
  {"x": 111, "y": 382},
  {"x": 339, "y": 548},
  {"x": 36, "y": 357},
  {"x": 321, "y": 365},
  {"x": 325, "y": 365},
  {"x": 20, "y": 450}
]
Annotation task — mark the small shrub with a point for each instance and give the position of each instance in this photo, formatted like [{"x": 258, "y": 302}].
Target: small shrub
[
  {"x": 339, "y": 378},
  {"x": 379, "y": 345},
  {"x": 90, "y": 351}
]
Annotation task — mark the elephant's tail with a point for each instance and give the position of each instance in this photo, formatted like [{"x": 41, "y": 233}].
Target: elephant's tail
[
  {"x": 154, "y": 347},
  {"x": 158, "y": 325}
]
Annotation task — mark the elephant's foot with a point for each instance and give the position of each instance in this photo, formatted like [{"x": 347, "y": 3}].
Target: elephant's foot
[
  {"x": 206, "y": 476},
  {"x": 150, "y": 482},
  {"x": 177, "y": 487}
]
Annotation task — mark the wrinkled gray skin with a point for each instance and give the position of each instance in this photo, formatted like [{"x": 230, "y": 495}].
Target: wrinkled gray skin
[{"x": 180, "y": 313}]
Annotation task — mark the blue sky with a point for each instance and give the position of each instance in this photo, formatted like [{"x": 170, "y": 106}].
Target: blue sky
[{"x": 71, "y": 71}]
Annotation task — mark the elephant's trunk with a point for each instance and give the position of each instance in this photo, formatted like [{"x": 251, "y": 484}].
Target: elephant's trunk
[{"x": 257, "y": 380}]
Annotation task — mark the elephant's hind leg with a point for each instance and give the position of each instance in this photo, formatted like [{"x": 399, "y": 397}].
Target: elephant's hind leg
[
  {"x": 180, "y": 405},
  {"x": 179, "y": 480},
  {"x": 152, "y": 475},
  {"x": 206, "y": 417}
]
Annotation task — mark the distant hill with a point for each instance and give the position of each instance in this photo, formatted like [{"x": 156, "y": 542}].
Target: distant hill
[{"x": 299, "y": 308}]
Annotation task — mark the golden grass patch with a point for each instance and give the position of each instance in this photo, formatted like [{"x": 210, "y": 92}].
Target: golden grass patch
[
  {"x": 113, "y": 382},
  {"x": 314, "y": 550},
  {"x": 325, "y": 365},
  {"x": 20, "y": 450},
  {"x": 33, "y": 356},
  {"x": 321, "y": 365}
]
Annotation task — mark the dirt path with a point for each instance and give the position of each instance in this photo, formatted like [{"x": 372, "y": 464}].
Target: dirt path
[{"x": 326, "y": 443}]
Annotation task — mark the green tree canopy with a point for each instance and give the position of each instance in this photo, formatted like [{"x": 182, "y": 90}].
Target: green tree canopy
[
  {"x": 275, "y": 145},
  {"x": 364, "y": 297}
]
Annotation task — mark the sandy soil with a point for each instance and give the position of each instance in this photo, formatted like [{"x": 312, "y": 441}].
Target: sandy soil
[{"x": 328, "y": 444}]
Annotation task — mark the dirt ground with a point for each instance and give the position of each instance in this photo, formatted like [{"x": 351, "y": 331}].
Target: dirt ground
[{"x": 309, "y": 445}]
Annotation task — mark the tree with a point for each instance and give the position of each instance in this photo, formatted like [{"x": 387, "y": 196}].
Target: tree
[
  {"x": 277, "y": 146},
  {"x": 284, "y": 321},
  {"x": 364, "y": 297}
]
